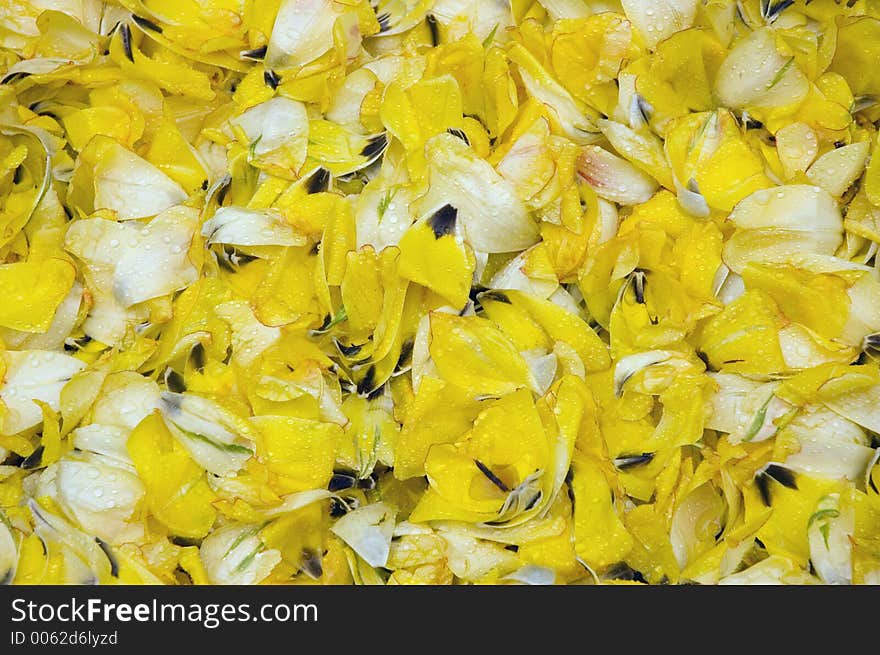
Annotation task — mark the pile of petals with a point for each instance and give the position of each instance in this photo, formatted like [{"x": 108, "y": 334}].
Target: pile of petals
[{"x": 439, "y": 291}]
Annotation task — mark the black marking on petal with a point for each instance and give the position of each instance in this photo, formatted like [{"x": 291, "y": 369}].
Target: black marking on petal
[
  {"x": 705, "y": 359},
  {"x": 644, "y": 107},
  {"x": 625, "y": 462},
  {"x": 752, "y": 124},
  {"x": 497, "y": 296},
  {"x": 223, "y": 188},
  {"x": 223, "y": 261},
  {"x": 257, "y": 54},
  {"x": 311, "y": 564},
  {"x": 375, "y": 146},
  {"x": 13, "y": 459},
  {"x": 172, "y": 402},
  {"x": 849, "y": 194},
  {"x": 182, "y": 576},
  {"x": 234, "y": 258},
  {"x": 534, "y": 500},
  {"x": 368, "y": 382},
  {"x": 474, "y": 294},
  {"x": 185, "y": 542},
  {"x": 513, "y": 548},
  {"x": 454, "y": 131},
  {"x": 368, "y": 483},
  {"x": 272, "y": 79},
  {"x": 341, "y": 481},
  {"x": 623, "y": 571},
  {"x": 384, "y": 21},
  {"x": 404, "y": 359},
  {"x": 839, "y": 144},
  {"x": 348, "y": 351},
  {"x": 431, "y": 21},
  {"x": 442, "y": 222},
  {"x": 33, "y": 460},
  {"x": 861, "y": 103},
  {"x": 13, "y": 77},
  {"x": 638, "y": 278},
  {"x": 7, "y": 577},
  {"x": 125, "y": 33},
  {"x": 494, "y": 479},
  {"x": 174, "y": 381},
  {"x": 146, "y": 23},
  {"x": 114, "y": 565},
  {"x": 319, "y": 181},
  {"x": 777, "y": 8},
  {"x": 375, "y": 393},
  {"x": 763, "y": 482},
  {"x": 198, "y": 357},
  {"x": 783, "y": 476},
  {"x": 337, "y": 508},
  {"x": 17, "y": 174},
  {"x": 477, "y": 118},
  {"x": 872, "y": 342},
  {"x": 872, "y": 485}
]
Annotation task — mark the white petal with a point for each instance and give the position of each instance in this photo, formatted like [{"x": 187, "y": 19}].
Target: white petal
[
  {"x": 775, "y": 570},
  {"x": 277, "y": 122},
  {"x": 513, "y": 276},
  {"x": 235, "y": 555},
  {"x": 102, "y": 497},
  {"x": 159, "y": 262},
  {"x": 211, "y": 434},
  {"x": 107, "y": 440},
  {"x": 132, "y": 187},
  {"x": 542, "y": 368},
  {"x": 126, "y": 399},
  {"x": 862, "y": 407},
  {"x": 614, "y": 178},
  {"x": 756, "y": 74},
  {"x": 830, "y": 531},
  {"x": 797, "y": 146},
  {"x": 62, "y": 325},
  {"x": 837, "y": 169},
  {"x": 249, "y": 336},
  {"x": 33, "y": 375},
  {"x": 239, "y": 226},
  {"x": 658, "y": 19},
  {"x": 8, "y": 551},
  {"x": 864, "y": 310},
  {"x": 303, "y": 31},
  {"x": 494, "y": 218},
  {"x": 368, "y": 530}
]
